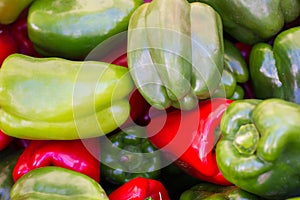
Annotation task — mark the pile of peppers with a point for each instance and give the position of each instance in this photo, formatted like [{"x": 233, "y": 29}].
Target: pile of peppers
[{"x": 150, "y": 99}]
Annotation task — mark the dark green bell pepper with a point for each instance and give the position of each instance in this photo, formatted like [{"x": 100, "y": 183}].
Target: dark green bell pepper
[
  {"x": 235, "y": 72},
  {"x": 56, "y": 183},
  {"x": 175, "y": 52},
  {"x": 275, "y": 70},
  {"x": 209, "y": 191},
  {"x": 259, "y": 147},
  {"x": 72, "y": 29},
  {"x": 54, "y": 98},
  {"x": 129, "y": 154},
  {"x": 257, "y": 20},
  {"x": 8, "y": 159}
]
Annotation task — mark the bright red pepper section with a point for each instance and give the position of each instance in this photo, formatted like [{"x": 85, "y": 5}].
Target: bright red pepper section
[
  {"x": 5, "y": 140},
  {"x": 140, "y": 189},
  {"x": 70, "y": 154},
  {"x": 190, "y": 137},
  {"x": 7, "y": 43}
]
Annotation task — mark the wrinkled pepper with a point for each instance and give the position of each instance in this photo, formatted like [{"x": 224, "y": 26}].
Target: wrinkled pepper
[
  {"x": 8, "y": 159},
  {"x": 209, "y": 191},
  {"x": 258, "y": 150},
  {"x": 175, "y": 52},
  {"x": 52, "y": 182},
  {"x": 140, "y": 188},
  {"x": 129, "y": 154},
  {"x": 275, "y": 70},
  {"x": 11, "y": 9},
  {"x": 54, "y": 98},
  {"x": 190, "y": 136},
  {"x": 257, "y": 20},
  {"x": 81, "y": 156},
  {"x": 73, "y": 29}
]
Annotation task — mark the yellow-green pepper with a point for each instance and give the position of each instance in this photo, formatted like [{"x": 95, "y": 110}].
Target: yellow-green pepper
[{"x": 54, "y": 98}]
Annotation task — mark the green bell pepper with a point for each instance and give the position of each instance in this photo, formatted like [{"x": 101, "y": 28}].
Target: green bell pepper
[
  {"x": 54, "y": 98},
  {"x": 175, "y": 52},
  {"x": 72, "y": 29},
  {"x": 235, "y": 72},
  {"x": 257, "y": 20},
  {"x": 129, "y": 154},
  {"x": 209, "y": 191},
  {"x": 275, "y": 71},
  {"x": 11, "y": 9},
  {"x": 8, "y": 159},
  {"x": 56, "y": 183},
  {"x": 259, "y": 147}
]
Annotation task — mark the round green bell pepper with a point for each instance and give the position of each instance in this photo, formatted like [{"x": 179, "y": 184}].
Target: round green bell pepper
[
  {"x": 57, "y": 183},
  {"x": 129, "y": 154},
  {"x": 258, "y": 150}
]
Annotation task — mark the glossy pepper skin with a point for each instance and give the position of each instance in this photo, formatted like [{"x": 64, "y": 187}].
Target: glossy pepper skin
[
  {"x": 5, "y": 140},
  {"x": 259, "y": 147},
  {"x": 8, "y": 159},
  {"x": 255, "y": 21},
  {"x": 11, "y": 9},
  {"x": 235, "y": 73},
  {"x": 54, "y": 98},
  {"x": 209, "y": 191},
  {"x": 129, "y": 154},
  {"x": 7, "y": 43},
  {"x": 71, "y": 154},
  {"x": 140, "y": 188},
  {"x": 52, "y": 182},
  {"x": 166, "y": 39},
  {"x": 275, "y": 70},
  {"x": 75, "y": 28},
  {"x": 190, "y": 137}
]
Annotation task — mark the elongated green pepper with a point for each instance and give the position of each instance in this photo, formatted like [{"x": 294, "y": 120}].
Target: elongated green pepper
[
  {"x": 72, "y": 29},
  {"x": 175, "y": 52},
  {"x": 129, "y": 154},
  {"x": 57, "y": 183},
  {"x": 257, "y": 20},
  {"x": 54, "y": 98},
  {"x": 258, "y": 150},
  {"x": 275, "y": 70}
]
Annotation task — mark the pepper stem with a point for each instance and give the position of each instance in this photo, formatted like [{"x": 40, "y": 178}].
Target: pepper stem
[{"x": 246, "y": 139}]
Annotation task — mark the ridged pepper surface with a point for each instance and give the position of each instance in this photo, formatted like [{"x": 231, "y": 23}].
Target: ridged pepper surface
[
  {"x": 175, "y": 52},
  {"x": 258, "y": 150}
]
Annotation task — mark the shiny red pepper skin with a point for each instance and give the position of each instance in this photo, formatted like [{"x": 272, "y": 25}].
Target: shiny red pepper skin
[
  {"x": 70, "y": 154},
  {"x": 4, "y": 140},
  {"x": 7, "y": 43},
  {"x": 140, "y": 189},
  {"x": 190, "y": 137},
  {"x": 19, "y": 32}
]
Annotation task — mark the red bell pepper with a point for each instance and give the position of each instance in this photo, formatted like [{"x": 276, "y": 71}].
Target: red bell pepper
[
  {"x": 7, "y": 43},
  {"x": 77, "y": 155},
  {"x": 4, "y": 140},
  {"x": 140, "y": 189},
  {"x": 191, "y": 136},
  {"x": 20, "y": 33}
]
